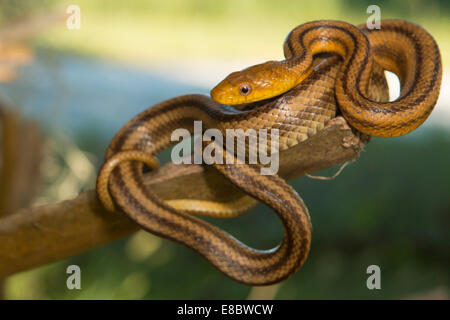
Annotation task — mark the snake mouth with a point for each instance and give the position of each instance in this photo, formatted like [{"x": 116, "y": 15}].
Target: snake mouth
[
  {"x": 247, "y": 107},
  {"x": 254, "y": 105}
]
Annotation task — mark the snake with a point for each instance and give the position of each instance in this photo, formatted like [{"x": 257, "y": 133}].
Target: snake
[{"x": 330, "y": 67}]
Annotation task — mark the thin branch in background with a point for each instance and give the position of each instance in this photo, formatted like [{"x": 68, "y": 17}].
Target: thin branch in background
[{"x": 334, "y": 176}]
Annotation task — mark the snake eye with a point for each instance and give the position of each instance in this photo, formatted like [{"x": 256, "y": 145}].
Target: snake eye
[{"x": 245, "y": 89}]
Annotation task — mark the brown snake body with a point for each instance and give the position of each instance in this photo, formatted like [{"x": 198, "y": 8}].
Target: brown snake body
[{"x": 311, "y": 91}]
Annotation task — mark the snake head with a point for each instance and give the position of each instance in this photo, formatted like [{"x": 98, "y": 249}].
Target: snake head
[{"x": 258, "y": 82}]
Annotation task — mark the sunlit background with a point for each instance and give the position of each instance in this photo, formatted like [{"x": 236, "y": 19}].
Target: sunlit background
[{"x": 390, "y": 208}]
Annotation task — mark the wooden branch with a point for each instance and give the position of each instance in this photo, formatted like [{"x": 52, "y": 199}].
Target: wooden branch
[{"x": 40, "y": 235}]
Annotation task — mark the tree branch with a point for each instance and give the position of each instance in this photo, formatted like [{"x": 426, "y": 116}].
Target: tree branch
[{"x": 40, "y": 235}]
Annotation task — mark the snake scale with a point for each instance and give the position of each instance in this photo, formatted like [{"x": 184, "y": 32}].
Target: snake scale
[{"x": 329, "y": 67}]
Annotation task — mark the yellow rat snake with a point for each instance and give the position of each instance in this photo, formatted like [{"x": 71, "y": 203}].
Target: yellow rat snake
[{"x": 328, "y": 66}]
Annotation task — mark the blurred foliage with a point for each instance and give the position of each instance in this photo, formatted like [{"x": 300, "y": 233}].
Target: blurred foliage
[
  {"x": 220, "y": 29},
  {"x": 390, "y": 208},
  {"x": 13, "y": 10},
  {"x": 66, "y": 170}
]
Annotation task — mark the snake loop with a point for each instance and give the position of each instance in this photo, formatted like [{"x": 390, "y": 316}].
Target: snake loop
[
  {"x": 305, "y": 90},
  {"x": 401, "y": 47}
]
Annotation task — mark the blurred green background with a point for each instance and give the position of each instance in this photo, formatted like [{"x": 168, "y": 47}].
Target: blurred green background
[{"x": 390, "y": 208}]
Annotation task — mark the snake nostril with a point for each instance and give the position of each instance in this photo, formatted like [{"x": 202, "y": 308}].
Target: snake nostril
[{"x": 245, "y": 89}]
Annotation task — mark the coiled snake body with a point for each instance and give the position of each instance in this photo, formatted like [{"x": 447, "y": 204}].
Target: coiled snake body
[{"x": 304, "y": 93}]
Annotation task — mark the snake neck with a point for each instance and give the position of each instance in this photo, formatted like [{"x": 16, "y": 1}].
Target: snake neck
[{"x": 297, "y": 115}]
